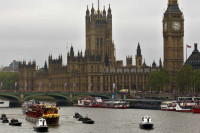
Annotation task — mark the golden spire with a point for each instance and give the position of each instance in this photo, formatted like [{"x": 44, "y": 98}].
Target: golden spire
[
  {"x": 98, "y": 7},
  {"x": 173, "y": 2}
]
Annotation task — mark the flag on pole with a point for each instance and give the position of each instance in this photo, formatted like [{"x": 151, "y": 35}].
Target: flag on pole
[
  {"x": 49, "y": 84},
  {"x": 114, "y": 85},
  {"x": 15, "y": 84},
  {"x": 40, "y": 83},
  {"x": 188, "y": 46},
  {"x": 74, "y": 84},
  {"x": 90, "y": 84}
]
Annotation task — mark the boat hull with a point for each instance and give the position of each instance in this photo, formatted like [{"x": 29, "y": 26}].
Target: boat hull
[
  {"x": 168, "y": 109},
  {"x": 41, "y": 129},
  {"x": 88, "y": 122},
  {"x": 183, "y": 110},
  {"x": 50, "y": 121},
  {"x": 146, "y": 126},
  {"x": 15, "y": 124},
  {"x": 196, "y": 110}
]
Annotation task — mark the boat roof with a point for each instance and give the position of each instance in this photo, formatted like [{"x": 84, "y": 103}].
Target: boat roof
[
  {"x": 146, "y": 116},
  {"x": 165, "y": 102}
]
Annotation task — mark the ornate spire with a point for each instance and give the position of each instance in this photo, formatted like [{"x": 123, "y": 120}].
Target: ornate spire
[
  {"x": 98, "y": 5},
  {"x": 160, "y": 63},
  {"x": 109, "y": 9},
  {"x": 104, "y": 11},
  {"x": 87, "y": 11},
  {"x": 92, "y": 10},
  {"x": 139, "y": 50}
]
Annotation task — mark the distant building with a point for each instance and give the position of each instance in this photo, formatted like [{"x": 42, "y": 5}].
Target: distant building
[
  {"x": 95, "y": 71},
  {"x": 13, "y": 67},
  {"x": 194, "y": 58}
]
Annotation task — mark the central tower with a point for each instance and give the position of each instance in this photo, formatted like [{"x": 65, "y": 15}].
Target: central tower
[
  {"x": 99, "y": 35},
  {"x": 173, "y": 33}
]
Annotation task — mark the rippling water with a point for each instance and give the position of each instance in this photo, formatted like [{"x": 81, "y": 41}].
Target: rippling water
[{"x": 109, "y": 121}]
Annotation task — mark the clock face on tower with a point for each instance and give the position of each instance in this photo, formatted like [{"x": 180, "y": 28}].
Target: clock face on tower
[{"x": 176, "y": 26}]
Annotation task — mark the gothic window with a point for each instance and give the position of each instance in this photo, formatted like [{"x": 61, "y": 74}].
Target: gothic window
[
  {"x": 97, "y": 43},
  {"x": 101, "y": 42},
  {"x": 92, "y": 68},
  {"x": 92, "y": 80},
  {"x": 98, "y": 68},
  {"x": 98, "y": 79}
]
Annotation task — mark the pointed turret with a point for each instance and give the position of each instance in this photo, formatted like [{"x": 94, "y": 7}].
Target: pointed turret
[
  {"x": 160, "y": 63},
  {"x": 104, "y": 11},
  {"x": 109, "y": 16},
  {"x": 72, "y": 52},
  {"x": 45, "y": 65},
  {"x": 139, "y": 50},
  {"x": 92, "y": 10},
  {"x": 154, "y": 64},
  {"x": 138, "y": 57},
  {"x": 87, "y": 11},
  {"x": 109, "y": 10}
]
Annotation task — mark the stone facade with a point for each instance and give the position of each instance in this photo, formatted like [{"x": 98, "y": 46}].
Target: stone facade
[
  {"x": 173, "y": 33},
  {"x": 95, "y": 71}
]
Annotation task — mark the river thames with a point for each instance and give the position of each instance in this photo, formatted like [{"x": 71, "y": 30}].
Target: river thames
[{"x": 109, "y": 121}]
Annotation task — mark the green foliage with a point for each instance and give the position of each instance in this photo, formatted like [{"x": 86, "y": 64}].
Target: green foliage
[
  {"x": 8, "y": 79},
  {"x": 188, "y": 80},
  {"x": 159, "y": 80}
]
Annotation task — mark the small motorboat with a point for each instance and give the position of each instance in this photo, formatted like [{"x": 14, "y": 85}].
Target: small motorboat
[
  {"x": 87, "y": 120},
  {"x": 2, "y": 116},
  {"x": 15, "y": 122},
  {"x": 77, "y": 115},
  {"x": 41, "y": 125},
  {"x": 146, "y": 123},
  {"x": 5, "y": 120}
]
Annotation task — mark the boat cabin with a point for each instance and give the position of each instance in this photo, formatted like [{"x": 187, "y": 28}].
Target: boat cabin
[
  {"x": 146, "y": 119},
  {"x": 41, "y": 122}
]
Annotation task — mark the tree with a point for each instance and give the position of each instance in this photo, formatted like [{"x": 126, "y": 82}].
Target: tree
[
  {"x": 159, "y": 80},
  {"x": 185, "y": 79},
  {"x": 7, "y": 80}
]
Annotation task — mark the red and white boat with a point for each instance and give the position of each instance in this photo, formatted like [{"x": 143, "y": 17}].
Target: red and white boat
[
  {"x": 97, "y": 102},
  {"x": 168, "y": 106},
  {"x": 90, "y": 102},
  {"x": 185, "y": 106},
  {"x": 196, "y": 110},
  {"x": 36, "y": 111}
]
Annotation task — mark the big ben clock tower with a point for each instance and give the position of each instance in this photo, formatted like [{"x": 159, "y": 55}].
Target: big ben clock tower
[{"x": 173, "y": 32}]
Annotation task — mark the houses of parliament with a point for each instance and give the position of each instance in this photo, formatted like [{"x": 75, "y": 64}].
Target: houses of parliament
[{"x": 97, "y": 70}]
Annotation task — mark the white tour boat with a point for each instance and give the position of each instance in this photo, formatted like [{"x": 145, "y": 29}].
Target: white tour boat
[
  {"x": 168, "y": 106},
  {"x": 146, "y": 123},
  {"x": 41, "y": 125},
  {"x": 4, "y": 103}
]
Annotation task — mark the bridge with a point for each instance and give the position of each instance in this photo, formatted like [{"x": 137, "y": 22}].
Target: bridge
[{"x": 69, "y": 97}]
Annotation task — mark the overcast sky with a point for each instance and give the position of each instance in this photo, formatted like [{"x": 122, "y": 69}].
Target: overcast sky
[{"x": 33, "y": 29}]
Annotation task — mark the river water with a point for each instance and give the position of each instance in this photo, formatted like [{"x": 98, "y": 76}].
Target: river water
[{"x": 109, "y": 121}]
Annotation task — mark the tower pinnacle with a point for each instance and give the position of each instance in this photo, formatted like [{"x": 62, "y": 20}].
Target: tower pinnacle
[
  {"x": 98, "y": 4},
  {"x": 172, "y": 2}
]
